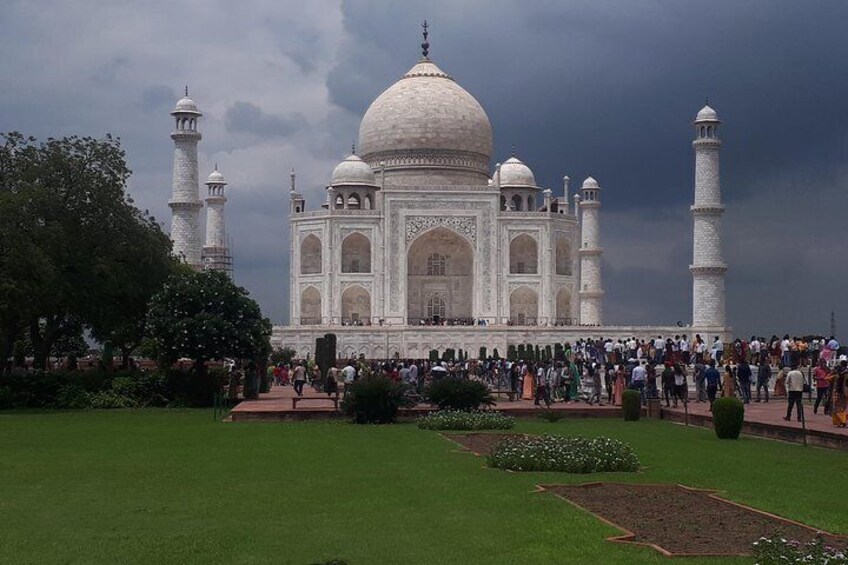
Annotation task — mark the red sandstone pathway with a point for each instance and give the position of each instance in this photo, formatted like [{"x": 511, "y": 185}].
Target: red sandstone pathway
[
  {"x": 279, "y": 400},
  {"x": 772, "y": 413}
]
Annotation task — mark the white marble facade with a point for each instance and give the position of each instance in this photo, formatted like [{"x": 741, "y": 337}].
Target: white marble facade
[{"x": 417, "y": 227}]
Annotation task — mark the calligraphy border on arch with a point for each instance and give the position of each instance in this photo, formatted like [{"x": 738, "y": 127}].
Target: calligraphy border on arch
[{"x": 464, "y": 225}]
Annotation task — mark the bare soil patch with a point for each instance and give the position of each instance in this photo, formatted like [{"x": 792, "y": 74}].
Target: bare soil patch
[
  {"x": 479, "y": 443},
  {"x": 677, "y": 520}
]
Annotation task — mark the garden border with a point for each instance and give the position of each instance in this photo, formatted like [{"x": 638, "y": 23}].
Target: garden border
[{"x": 628, "y": 536}]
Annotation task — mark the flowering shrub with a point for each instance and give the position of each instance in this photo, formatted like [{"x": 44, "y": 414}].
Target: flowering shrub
[
  {"x": 466, "y": 420},
  {"x": 563, "y": 454},
  {"x": 777, "y": 549}
]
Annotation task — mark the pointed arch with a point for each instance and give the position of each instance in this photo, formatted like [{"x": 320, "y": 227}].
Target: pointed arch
[
  {"x": 563, "y": 307},
  {"x": 524, "y": 306},
  {"x": 310, "y": 255},
  {"x": 440, "y": 264},
  {"x": 356, "y": 305},
  {"x": 523, "y": 255},
  {"x": 356, "y": 254},
  {"x": 563, "y": 255},
  {"x": 310, "y": 306}
]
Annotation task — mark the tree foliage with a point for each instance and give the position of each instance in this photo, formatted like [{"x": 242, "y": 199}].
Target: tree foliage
[
  {"x": 73, "y": 247},
  {"x": 204, "y": 316}
]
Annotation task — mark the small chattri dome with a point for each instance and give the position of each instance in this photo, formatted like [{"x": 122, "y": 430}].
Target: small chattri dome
[
  {"x": 514, "y": 173},
  {"x": 353, "y": 171},
  {"x": 186, "y": 106},
  {"x": 590, "y": 183},
  {"x": 216, "y": 178},
  {"x": 706, "y": 114}
]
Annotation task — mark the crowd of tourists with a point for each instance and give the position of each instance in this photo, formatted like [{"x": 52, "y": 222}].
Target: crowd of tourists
[{"x": 599, "y": 371}]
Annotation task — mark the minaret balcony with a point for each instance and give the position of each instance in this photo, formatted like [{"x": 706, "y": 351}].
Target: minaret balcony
[
  {"x": 184, "y": 204},
  {"x": 186, "y": 135},
  {"x": 707, "y": 209},
  {"x": 591, "y": 293},
  {"x": 590, "y": 251},
  {"x": 715, "y": 269}
]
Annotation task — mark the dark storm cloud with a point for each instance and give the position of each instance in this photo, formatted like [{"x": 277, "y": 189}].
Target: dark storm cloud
[
  {"x": 158, "y": 98},
  {"x": 244, "y": 117},
  {"x": 609, "y": 90}
]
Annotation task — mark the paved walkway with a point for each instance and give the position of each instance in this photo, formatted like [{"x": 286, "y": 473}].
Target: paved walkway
[
  {"x": 277, "y": 404},
  {"x": 772, "y": 413},
  {"x": 764, "y": 419}
]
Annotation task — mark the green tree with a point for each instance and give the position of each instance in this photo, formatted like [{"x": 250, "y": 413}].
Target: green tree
[
  {"x": 205, "y": 316},
  {"x": 284, "y": 355},
  {"x": 73, "y": 247}
]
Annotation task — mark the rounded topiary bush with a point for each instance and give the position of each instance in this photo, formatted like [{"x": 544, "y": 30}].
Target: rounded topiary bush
[
  {"x": 728, "y": 415},
  {"x": 631, "y": 405},
  {"x": 466, "y": 420},
  {"x": 375, "y": 400},
  {"x": 563, "y": 454},
  {"x": 458, "y": 394}
]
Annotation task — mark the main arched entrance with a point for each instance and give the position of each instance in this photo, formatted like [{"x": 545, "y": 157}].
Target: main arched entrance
[{"x": 439, "y": 278}]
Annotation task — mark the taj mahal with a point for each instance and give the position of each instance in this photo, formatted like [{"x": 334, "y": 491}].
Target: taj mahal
[{"x": 422, "y": 243}]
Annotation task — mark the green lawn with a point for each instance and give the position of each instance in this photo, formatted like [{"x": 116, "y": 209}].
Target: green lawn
[{"x": 168, "y": 486}]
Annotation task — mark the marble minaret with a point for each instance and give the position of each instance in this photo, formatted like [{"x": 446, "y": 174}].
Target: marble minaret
[
  {"x": 591, "y": 290},
  {"x": 216, "y": 252},
  {"x": 185, "y": 200},
  {"x": 708, "y": 267}
]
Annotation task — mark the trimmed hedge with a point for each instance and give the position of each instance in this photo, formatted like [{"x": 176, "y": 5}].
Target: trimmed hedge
[
  {"x": 109, "y": 389},
  {"x": 375, "y": 400},
  {"x": 728, "y": 415},
  {"x": 458, "y": 394},
  {"x": 466, "y": 420},
  {"x": 631, "y": 405}
]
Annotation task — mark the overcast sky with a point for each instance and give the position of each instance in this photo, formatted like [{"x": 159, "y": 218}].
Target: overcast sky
[{"x": 607, "y": 89}]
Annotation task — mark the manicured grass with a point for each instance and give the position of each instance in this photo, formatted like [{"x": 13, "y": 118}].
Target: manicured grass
[{"x": 167, "y": 486}]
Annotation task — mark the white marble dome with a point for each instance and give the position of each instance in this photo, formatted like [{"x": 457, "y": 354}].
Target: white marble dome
[
  {"x": 590, "y": 182},
  {"x": 353, "y": 171},
  {"x": 514, "y": 173},
  {"x": 216, "y": 178},
  {"x": 706, "y": 114},
  {"x": 186, "y": 105},
  {"x": 425, "y": 111}
]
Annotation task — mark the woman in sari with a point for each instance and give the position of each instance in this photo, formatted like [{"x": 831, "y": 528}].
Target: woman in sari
[
  {"x": 728, "y": 383},
  {"x": 780, "y": 382},
  {"x": 574, "y": 385},
  {"x": 527, "y": 391},
  {"x": 839, "y": 396},
  {"x": 619, "y": 385}
]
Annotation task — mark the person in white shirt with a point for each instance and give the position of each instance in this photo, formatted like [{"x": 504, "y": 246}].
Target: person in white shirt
[
  {"x": 684, "y": 350},
  {"x": 637, "y": 380},
  {"x": 754, "y": 347},
  {"x": 794, "y": 392},
  {"x": 718, "y": 350}
]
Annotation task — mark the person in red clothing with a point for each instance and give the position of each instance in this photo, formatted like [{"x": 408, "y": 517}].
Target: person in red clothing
[{"x": 822, "y": 377}]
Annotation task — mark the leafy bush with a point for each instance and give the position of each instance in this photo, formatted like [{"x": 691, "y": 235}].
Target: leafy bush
[
  {"x": 563, "y": 454},
  {"x": 466, "y": 420},
  {"x": 551, "y": 416},
  {"x": 458, "y": 394},
  {"x": 109, "y": 399},
  {"x": 631, "y": 405},
  {"x": 728, "y": 415},
  {"x": 5, "y": 397},
  {"x": 777, "y": 550},
  {"x": 375, "y": 400},
  {"x": 194, "y": 388},
  {"x": 73, "y": 396}
]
